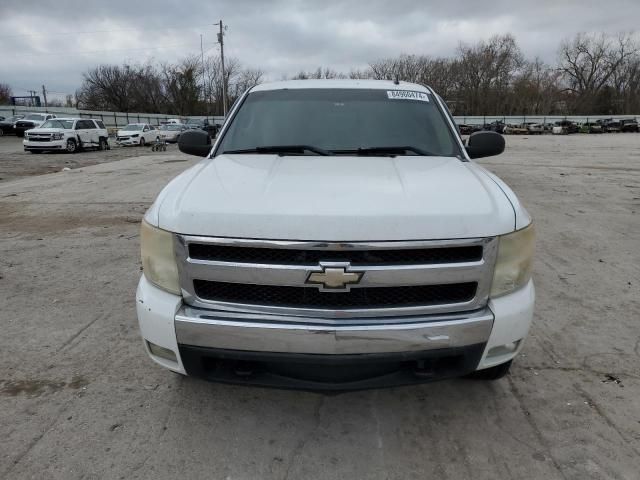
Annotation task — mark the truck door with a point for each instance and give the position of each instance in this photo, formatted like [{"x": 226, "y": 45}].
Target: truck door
[
  {"x": 93, "y": 132},
  {"x": 83, "y": 132}
]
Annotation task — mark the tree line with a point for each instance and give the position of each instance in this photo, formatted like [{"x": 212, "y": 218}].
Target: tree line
[{"x": 593, "y": 73}]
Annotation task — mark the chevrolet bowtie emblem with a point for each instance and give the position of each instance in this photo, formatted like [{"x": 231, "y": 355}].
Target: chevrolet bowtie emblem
[{"x": 334, "y": 278}]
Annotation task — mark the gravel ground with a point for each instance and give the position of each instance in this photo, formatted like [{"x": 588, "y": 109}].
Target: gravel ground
[
  {"x": 16, "y": 163},
  {"x": 79, "y": 399}
]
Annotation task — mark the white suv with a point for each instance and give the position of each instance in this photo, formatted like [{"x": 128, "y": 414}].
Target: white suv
[{"x": 69, "y": 134}]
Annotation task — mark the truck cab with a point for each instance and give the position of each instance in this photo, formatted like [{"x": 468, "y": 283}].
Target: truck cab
[{"x": 336, "y": 235}]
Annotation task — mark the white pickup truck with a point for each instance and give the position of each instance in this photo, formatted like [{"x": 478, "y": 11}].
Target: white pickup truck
[
  {"x": 337, "y": 235},
  {"x": 66, "y": 134}
]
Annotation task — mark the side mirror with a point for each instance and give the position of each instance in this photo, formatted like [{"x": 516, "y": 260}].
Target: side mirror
[
  {"x": 195, "y": 142},
  {"x": 485, "y": 144}
]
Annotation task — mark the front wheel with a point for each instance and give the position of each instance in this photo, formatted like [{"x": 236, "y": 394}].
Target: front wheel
[
  {"x": 71, "y": 146},
  {"x": 493, "y": 373},
  {"x": 142, "y": 142},
  {"x": 102, "y": 144}
]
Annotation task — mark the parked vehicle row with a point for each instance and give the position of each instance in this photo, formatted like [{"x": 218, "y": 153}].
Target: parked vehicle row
[{"x": 562, "y": 127}]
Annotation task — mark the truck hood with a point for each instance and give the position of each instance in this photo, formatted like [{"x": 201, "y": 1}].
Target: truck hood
[
  {"x": 47, "y": 130},
  {"x": 334, "y": 199}
]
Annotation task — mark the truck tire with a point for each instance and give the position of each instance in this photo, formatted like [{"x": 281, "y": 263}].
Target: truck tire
[
  {"x": 102, "y": 144},
  {"x": 72, "y": 147},
  {"x": 493, "y": 373}
]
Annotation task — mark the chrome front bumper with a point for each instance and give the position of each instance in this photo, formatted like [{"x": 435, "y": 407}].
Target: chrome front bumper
[
  {"x": 218, "y": 345},
  {"x": 205, "y": 328}
]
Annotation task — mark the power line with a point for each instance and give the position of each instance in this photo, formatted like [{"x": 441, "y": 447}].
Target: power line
[{"x": 102, "y": 31}]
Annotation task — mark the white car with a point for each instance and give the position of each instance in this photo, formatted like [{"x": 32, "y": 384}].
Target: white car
[
  {"x": 68, "y": 134},
  {"x": 32, "y": 120},
  {"x": 137, "y": 134},
  {"x": 535, "y": 128},
  {"x": 353, "y": 243}
]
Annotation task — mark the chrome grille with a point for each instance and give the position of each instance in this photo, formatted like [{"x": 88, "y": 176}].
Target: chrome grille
[
  {"x": 309, "y": 297},
  {"x": 39, "y": 137},
  {"x": 396, "y": 278},
  {"x": 286, "y": 256}
]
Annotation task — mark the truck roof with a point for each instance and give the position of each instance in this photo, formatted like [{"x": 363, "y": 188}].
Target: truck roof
[{"x": 341, "y": 83}]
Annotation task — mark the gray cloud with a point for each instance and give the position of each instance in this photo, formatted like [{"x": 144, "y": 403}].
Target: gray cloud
[{"x": 279, "y": 36}]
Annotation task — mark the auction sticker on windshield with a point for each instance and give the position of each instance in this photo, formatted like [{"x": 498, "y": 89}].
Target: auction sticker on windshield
[{"x": 407, "y": 95}]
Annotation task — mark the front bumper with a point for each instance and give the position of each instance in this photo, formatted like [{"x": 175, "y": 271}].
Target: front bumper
[
  {"x": 128, "y": 141},
  {"x": 295, "y": 352},
  {"x": 52, "y": 145}
]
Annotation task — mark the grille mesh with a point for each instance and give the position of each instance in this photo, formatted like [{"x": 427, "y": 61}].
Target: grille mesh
[
  {"x": 309, "y": 297},
  {"x": 283, "y": 256}
]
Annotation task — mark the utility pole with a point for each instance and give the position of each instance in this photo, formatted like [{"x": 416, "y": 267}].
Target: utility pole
[
  {"x": 204, "y": 81},
  {"x": 44, "y": 94},
  {"x": 224, "y": 86}
]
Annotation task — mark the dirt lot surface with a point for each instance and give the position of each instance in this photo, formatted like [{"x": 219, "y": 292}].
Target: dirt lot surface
[
  {"x": 79, "y": 399},
  {"x": 16, "y": 163}
]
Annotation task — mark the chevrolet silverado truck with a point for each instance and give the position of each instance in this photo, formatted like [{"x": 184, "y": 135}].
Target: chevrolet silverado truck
[
  {"x": 337, "y": 235},
  {"x": 68, "y": 135}
]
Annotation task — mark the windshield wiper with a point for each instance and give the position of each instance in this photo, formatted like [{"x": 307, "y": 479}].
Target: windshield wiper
[
  {"x": 384, "y": 151},
  {"x": 282, "y": 149}
]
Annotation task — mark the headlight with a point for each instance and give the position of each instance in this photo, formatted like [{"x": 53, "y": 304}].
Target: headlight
[
  {"x": 158, "y": 258},
  {"x": 513, "y": 265},
  {"x": 57, "y": 136},
  {"x": 135, "y": 135}
]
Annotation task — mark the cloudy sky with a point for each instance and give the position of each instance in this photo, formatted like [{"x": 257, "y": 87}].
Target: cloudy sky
[{"x": 53, "y": 42}]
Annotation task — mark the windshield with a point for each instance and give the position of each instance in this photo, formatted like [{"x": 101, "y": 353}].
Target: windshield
[
  {"x": 68, "y": 124},
  {"x": 133, "y": 127},
  {"x": 34, "y": 117},
  {"x": 341, "y": 121}
]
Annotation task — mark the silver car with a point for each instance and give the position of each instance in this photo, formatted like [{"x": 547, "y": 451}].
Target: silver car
[{"x": 171, "y": 133}]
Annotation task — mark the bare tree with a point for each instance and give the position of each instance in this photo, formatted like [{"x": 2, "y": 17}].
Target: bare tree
[
  {"x": 590, "y": 61},
  {"x": 5, "y": 93},
  {"x": 237, "y": 80},
  {"x": 485, "y": 72},
  {"x": 181, "y": 87},
  {"x": 319, "y": 73},
  {"x": 594, "y": 74}
]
